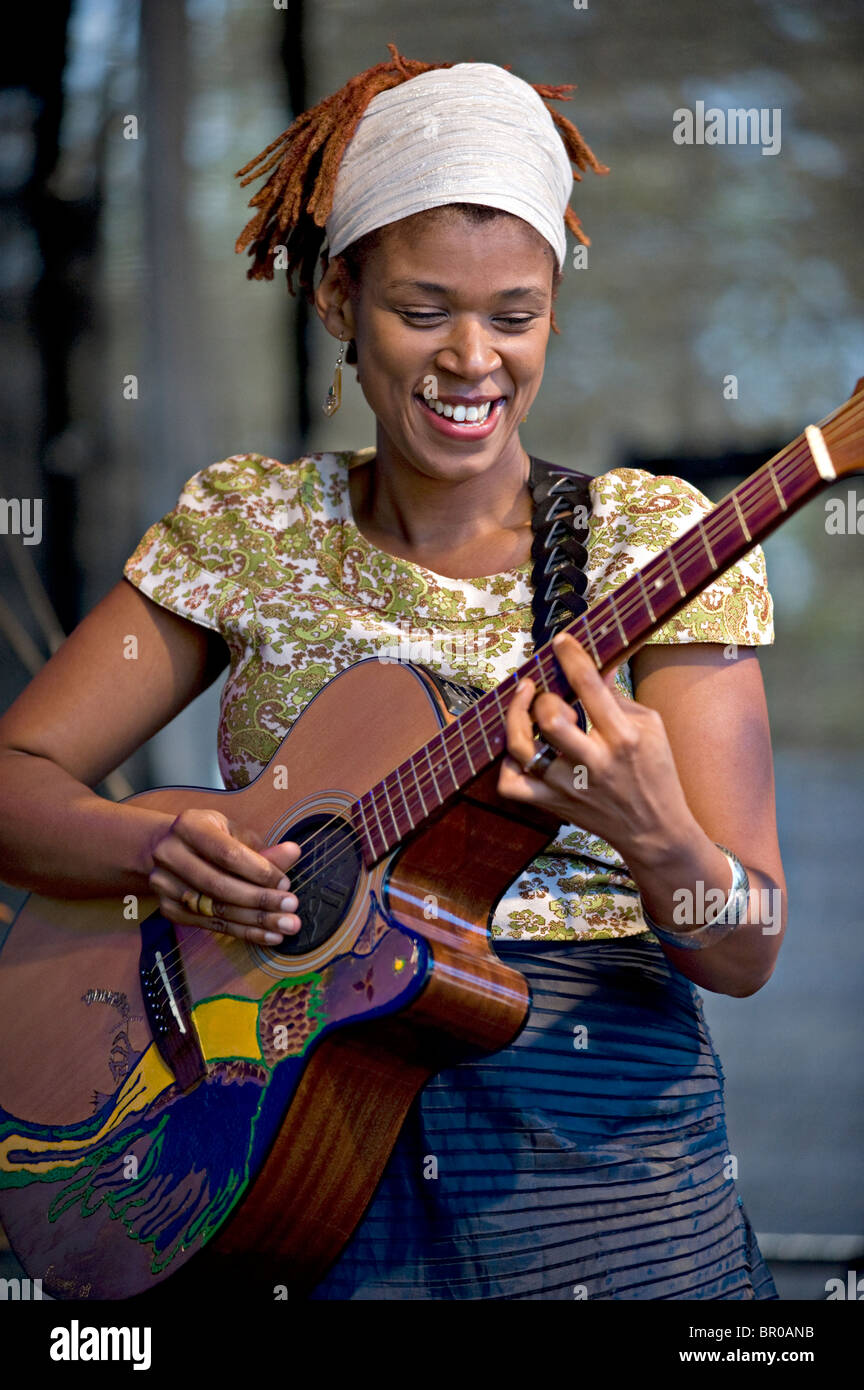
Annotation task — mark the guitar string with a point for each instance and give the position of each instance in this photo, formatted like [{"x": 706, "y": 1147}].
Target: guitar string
[{"x": 752, "y": 489}]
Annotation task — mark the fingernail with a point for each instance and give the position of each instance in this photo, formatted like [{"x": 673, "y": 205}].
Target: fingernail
[
  {"x": 289, "y": 904},
  {"x": 286, "y": 923},
  {"x": 283, "y": 884},
  {"x": 274, "y": 938}
]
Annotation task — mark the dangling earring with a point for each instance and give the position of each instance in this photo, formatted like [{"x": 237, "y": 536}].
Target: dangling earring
[
  {"x": 334, "y": 395},
  {"x": 524, "y": 418}
]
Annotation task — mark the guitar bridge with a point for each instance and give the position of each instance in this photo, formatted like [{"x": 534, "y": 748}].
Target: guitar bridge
[{"x": 166, "y": 1002}]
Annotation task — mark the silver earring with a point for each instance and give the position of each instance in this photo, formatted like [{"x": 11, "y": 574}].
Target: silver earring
[{"x": 334, "y": 395}]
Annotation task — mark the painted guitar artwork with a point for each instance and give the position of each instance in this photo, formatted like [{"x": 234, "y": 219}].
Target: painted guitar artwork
[{"x": 167, "y": 1091}]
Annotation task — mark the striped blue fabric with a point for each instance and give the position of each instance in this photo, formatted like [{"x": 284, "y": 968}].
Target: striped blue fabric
[{"x": 587, "y": 1160}]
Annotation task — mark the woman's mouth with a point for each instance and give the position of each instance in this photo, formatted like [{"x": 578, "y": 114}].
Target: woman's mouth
[{"x": 462, "y": 421}]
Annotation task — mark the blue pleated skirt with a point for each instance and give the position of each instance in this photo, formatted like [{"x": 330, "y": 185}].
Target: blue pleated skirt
[{"x": 588, "y": 1160}]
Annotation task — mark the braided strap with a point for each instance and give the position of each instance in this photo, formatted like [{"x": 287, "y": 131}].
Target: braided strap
[{"x": 558, "y": 550}]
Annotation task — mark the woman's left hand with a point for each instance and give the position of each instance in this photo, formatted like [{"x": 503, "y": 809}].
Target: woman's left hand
[{"x": 619, "y": 781}]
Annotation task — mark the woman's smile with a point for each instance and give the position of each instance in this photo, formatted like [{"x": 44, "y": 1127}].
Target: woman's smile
[{"x": 467, "y": 420}]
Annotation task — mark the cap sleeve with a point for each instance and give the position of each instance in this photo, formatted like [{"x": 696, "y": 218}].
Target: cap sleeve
[
  {"x": 203, "y": 558},
  {"x": 635, "y": 515}
]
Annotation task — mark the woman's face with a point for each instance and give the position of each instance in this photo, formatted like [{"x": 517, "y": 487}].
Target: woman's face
[{"x": 452, "y": 312}]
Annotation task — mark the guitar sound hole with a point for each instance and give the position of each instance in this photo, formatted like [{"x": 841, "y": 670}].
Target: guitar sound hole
[{"x": 323, "y": 878}]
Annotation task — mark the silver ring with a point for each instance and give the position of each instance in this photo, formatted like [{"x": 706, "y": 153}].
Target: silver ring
[{"x": 541, "y": 761}]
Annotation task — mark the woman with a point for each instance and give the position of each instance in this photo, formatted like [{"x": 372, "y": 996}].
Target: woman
[{"x": 590, "y": 1158}]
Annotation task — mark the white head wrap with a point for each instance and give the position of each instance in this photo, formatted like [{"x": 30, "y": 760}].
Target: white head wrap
[{"x": 472, "y": 133}]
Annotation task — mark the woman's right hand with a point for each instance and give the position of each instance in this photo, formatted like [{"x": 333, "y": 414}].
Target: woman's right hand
[{"x": 203, "y": 852}]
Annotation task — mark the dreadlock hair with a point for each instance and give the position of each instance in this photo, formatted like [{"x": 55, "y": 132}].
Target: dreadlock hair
[{"x": 295, "y": 202}]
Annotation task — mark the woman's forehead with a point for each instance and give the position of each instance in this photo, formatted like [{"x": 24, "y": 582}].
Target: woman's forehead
[{"x": 439, "y": 235}]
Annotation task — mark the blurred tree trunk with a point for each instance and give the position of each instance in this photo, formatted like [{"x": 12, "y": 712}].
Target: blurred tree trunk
[
  {"x": 59, "y": 307},
  {"x": 295, "y": 61},
  {"x": 172, "y": 384}
]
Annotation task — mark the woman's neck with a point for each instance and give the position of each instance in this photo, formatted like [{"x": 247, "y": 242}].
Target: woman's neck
[{"x": 472, "y": 525}]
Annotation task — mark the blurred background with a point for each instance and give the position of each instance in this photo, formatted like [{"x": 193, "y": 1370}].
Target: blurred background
[{"x": 135, "y": 352}]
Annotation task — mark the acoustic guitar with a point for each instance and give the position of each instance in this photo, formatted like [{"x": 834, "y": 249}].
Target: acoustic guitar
[{"x": 167, "y": 1091}]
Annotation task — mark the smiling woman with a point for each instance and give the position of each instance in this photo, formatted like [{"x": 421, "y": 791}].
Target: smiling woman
[{"x": 589, "y": 1157}]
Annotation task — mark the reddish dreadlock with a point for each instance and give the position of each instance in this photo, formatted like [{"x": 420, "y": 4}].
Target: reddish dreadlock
[{"x": 295, "y": 202}]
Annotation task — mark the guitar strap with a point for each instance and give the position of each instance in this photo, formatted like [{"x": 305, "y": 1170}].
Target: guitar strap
[
  {"x": 559, "y": 546},
  {"x": 562, "y": 505}
]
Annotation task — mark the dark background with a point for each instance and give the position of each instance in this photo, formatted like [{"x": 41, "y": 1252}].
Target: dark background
[{"x": 116, "y": 260}]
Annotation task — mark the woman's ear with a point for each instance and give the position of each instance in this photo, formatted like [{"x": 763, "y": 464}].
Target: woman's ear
[{"x": 332, "y": 301}]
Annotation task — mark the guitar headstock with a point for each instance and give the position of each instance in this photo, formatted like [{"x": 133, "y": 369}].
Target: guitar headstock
[{"x": 843, "y": 431}]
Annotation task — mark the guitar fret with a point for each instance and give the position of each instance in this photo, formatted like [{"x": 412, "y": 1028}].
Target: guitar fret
[
  {"x": 741, "y": 518},
  {"x": 706, "y": 544},
  {"x": 371, "y": 796},
  {"x": 589, "y": 637},
  {"x": 432, "y": 772},
  {"x": 411, "y": 821},
  {"x": 460, "y": 724},
  {"x": 777, "y": 488},
  {"x": 447, "y": 756},
  {"x": 651, "y": 613},
  {"x": 366, "y": 830},
  {"x": 614, "y": 608},
  {"x": 682, "y": 591},
  {"x": 396, "y": 825},
  {"x": 413, "y": 766},
  {"x": 481, "y": 725}
]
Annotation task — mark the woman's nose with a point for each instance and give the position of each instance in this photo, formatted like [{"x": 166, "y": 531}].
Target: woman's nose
[{"x": 468, "y": 351}]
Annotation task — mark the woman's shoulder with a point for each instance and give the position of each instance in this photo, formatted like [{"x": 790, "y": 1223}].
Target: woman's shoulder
[
  {"x": 635, "y": 491},
  {"x": 251, "y": 478},
  {"x": 233, "y": 517},
  {"x": 634, "y": 515}
]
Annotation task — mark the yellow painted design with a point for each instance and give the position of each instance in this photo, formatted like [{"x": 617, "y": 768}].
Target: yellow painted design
[
  {"x": 229, "y": 1028},
  {"x": 226, "y": 1028},
  {"x": 141, "y": 1087}
]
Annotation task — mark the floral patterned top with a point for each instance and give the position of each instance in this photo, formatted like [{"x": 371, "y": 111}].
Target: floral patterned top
[{"x": 269, "y": 556}]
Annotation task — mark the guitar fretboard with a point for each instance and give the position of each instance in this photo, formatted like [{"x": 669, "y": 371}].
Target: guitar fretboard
[{"x": 612, "y": 630}]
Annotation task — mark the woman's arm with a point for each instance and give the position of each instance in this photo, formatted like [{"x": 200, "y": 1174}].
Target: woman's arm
[
  {"x": 123, "y": 674},
  {"x": 687, "y": 764}
]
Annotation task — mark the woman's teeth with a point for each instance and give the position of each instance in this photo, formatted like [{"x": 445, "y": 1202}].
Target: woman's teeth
[{"x": 472, "y": 414}]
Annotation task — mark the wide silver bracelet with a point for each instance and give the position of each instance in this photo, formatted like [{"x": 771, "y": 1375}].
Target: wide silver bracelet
[{"x": 724, "y": 922}]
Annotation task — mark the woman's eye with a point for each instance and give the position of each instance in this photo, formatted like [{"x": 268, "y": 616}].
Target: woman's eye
[{"x": 510, "y": 320}]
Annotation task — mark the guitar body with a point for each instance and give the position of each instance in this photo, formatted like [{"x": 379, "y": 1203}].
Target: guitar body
[{"x": 165, "y": 1089}]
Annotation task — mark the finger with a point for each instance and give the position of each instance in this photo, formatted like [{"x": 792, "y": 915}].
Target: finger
[
  {"x": 278, "y": 907},
  {"x": 598, "y": 700},
  {"x": 519, "y": 724},
  {"x": 178, "y": 913},
  {"x": 558, "y": 724},
  {"x": 284, "y": 855},
  {"x": 519, "y": 785},
  {"x": 209, "y": 838},
  {"x": 176, "y": 866}
]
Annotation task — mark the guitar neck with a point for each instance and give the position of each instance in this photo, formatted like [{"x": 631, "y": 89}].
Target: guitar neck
[{"x": 612, "y": 630}]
